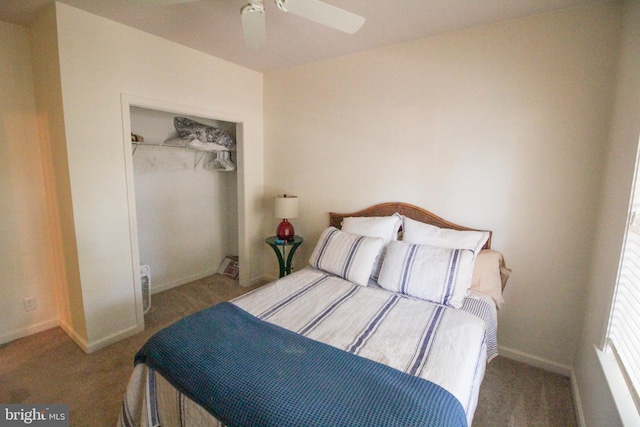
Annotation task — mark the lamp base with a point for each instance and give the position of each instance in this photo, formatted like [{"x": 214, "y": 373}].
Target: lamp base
[{"x": 285, "y": 231}]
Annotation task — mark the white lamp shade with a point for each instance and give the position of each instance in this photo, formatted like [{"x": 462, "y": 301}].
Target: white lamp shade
[{"x": 286, "y": 207}]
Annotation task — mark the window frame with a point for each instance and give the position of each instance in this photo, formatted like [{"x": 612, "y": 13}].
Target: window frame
[{"x": 624, "y": 396}]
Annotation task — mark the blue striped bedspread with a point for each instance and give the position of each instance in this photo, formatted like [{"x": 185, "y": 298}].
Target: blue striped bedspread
[
  {"x": 444, "y": 346},
  {"x": 247, "y": 372}
]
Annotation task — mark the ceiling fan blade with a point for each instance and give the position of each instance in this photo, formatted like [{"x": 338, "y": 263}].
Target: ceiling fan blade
[
  {"x": 159, "y": 2},
  {"x": 253, "y": 25},
  {"x": 323, "y": 13}
]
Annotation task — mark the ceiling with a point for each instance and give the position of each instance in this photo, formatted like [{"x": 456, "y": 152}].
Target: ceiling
[{"x": 213, "y": 26}]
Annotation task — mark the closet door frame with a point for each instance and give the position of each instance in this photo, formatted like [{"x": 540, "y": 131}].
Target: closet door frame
[{"x": 129, "y": 101}]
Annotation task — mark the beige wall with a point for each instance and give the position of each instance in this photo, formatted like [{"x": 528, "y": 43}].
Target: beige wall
[
  {"x": 25, "y": 247},
  {"x": 499, "y": 127},
  {"x": 102, "y": 63},
  {"x": 64, "y": 275},
  {"x": 615, "y": 192}
]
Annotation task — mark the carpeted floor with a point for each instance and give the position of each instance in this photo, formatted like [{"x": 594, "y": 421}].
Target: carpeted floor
[{"x": 49, "y": 368}]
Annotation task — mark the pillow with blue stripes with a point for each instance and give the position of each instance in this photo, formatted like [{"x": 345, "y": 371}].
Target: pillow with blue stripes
[
  {"x": 439, "y": 275},
  {"x": 347, "y": 255}
]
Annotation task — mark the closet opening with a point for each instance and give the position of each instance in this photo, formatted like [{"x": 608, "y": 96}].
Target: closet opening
[{"x": 183, "y": 173}]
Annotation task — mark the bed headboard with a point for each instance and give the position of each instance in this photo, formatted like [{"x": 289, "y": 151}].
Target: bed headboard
[{"x": 411, "y": 211}]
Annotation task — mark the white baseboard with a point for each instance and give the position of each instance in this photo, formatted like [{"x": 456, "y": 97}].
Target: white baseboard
[
  {"x": 114, "y": 338},
  {"x": 538, "y": 362},
  {"x": 155, "y": 288},
  {"x": 90, "y": 347},
  {"x": 577, "y": 402},
  {"x": 29, "y": 330},
  {"x": 551, "y": 366},
  {"x": 80, "y": 342},
  {"x": 174, "y": 284}
]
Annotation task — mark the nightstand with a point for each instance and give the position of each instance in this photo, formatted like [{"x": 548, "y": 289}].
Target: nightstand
[{"x": 280, "y": 247}]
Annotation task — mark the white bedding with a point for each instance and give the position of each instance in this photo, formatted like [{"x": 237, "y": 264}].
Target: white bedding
[{"x": 440, "y": 344}]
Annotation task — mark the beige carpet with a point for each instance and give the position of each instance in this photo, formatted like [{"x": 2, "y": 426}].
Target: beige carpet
[{"x": 49, "y": 368}]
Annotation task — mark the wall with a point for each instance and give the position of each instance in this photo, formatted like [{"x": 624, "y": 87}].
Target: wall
[
  {"x": 495, "y": 127},
  {"x": 113, "y": 63},
  {"x": 499, "y": 127},
  {"x": 187, "y": 215},
  {"x": 64, "y": 275},
  {"x": 623, "y": 137},
  {"x": 25, "y": 246}
]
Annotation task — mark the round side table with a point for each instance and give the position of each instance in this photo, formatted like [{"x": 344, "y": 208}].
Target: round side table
[{"x": 280, "y": 247}]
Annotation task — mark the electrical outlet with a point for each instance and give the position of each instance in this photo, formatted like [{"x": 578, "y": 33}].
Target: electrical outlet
[{"x": 30, "y": 304}]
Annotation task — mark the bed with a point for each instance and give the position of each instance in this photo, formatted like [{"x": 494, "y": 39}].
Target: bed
[{"x": 392, "y": 323}]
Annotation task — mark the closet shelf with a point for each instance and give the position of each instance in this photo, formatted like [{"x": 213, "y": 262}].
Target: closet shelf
[
  {"x": 198, "y": 155},
  {"x": 136, "y": 144}
]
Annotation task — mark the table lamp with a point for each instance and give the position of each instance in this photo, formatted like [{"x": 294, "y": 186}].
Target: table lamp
[{"x": 286, "y": 207}]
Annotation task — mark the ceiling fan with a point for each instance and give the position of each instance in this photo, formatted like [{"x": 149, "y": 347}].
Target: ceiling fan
[{"x": 253, "y": 16}]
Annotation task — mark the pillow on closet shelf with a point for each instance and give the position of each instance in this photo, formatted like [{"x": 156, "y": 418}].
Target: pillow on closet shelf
[
  {"x": 346, "y": 255},
  {"x": 426, "y": 234},
  {"x": 439, "y": 275},
  {"x": 384, "y": 227},
  {"x": 189, "y": 129}
]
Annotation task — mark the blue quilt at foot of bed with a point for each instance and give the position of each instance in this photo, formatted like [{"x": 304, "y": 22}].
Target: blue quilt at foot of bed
[{"x": 249, "y": 373}]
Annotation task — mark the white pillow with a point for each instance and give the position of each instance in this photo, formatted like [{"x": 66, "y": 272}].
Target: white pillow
[
  {"x": 425, "y": 234},
  {"x": 439, "y": 275},
  {"x": 385, "y": 227},
  {"x": 490, "y": 275},
  {"x": 349, "y": 256}
]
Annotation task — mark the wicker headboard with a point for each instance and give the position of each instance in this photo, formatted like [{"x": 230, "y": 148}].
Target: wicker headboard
[{"x": 410, "y": 211}]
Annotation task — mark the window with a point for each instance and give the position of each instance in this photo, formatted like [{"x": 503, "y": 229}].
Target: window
[
  {"x": 624, "y": 326},
  {"x": 621, "y": 356}
]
